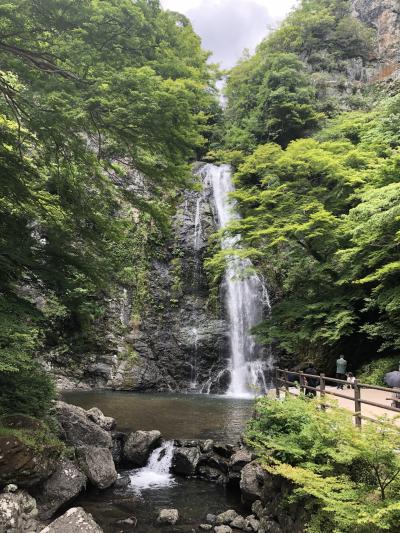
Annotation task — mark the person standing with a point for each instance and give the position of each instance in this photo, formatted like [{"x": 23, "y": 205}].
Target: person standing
[
  {"x": 311, "y": 381},
  {"x": 341, "y": 367}
]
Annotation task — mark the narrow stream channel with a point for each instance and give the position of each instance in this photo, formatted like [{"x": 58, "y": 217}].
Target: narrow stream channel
[{"x": 152, "y": 488}]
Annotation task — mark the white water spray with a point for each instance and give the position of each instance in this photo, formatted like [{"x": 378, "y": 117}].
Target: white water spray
[
  {"x": 157, "y": 471},
  {"x": 245, "y": 297}
]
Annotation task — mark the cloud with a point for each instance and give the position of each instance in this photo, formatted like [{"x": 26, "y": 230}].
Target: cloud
[{"x": 227, "y": 27}]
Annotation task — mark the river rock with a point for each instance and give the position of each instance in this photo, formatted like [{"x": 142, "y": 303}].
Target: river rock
[
  {"x": 77, "y": 429},
  {"x": 75, "y": 520},
  {"x": 205, "y": 527},
  {"x": 139, "y": 445},
  {"x": 222, "y": 529},
  {"x": 223, "y": 449},
  {"x": 105, "y": 422},
  {"x": 239, "y": 523},
  {"x": 258, "y": 509},
  {"x": 18, "y": 511},
  {"x": 211, "y": 518},
  {"x": 211, "y": 474},
  {"x": 227, "y": 517},
  {"x": 252, "y": 482},
  {"x": 61, "y": 487},
  {"x": 207, "y": 446},
  {"x": 168, "y": 516},
  {"x": 185, "y": 461},
  {"x": 240, "y": 459},
  {"x": 252, "y": 522},
  {"x": 98, "y": 465},
  {"x": 118, "y": 439}
]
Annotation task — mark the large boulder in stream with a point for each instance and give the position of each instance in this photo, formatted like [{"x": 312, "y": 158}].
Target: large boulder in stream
[
  {"x": 253, "y": 482},
  {"x": 97, "y": 463},
  {"x": 139, "y": 445},
  {"x": 105, "y": 422},
  {"x": 18, "y": 511},
  {"x": 185, "y": 461},
  {"x": 61, "y": 487},
  {"x": 78, "y": 429},
  {"x": 75, "y": 520}
]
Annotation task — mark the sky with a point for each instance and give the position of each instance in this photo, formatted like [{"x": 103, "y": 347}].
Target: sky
[{"x": 227, "y": 27}]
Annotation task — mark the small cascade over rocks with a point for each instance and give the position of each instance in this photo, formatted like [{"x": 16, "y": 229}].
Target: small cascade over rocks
[
  {"x": 157, "y": 471},
  {"x": 246, "y": 297}
]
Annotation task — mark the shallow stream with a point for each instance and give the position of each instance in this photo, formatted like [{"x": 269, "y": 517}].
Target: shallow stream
[{"x": 177, "y": 416}]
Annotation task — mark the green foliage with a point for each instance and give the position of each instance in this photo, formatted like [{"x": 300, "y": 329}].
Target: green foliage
[
  {"x": 374, "y": 372},
  {"x": 277, "y": 102},
  {"x": 102, "y": 105},
  {"x": 35, "y": 434},
  {"x": 348, "y": 479},
  {"x": 29, "y": 392},
  {"x": 283, "y": 91},
  {"x": 320, "y": 220}
]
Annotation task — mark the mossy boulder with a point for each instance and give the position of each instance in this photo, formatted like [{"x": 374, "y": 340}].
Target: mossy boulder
[{"x": 29, "y": 452}]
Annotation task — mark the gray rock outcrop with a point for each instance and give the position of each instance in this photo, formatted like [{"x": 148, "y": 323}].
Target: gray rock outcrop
[
  {"x": 185, "y": 461},
  {"x": 61, "y": 487},
  {"x": 105, "y": 422},
  {"x": 223, "y": 529},
  {"x": 75, "y": 520},
  {"x": 18, "y": 511},
  {"x": 77, "y": 429},
  {"x": 253, "y": 482},
  {"x": 139, "y": 445},
  {"x": 384, "y": 17},
  {"x": 98, "y": 465},
  {"x": 227, "y": 517}
]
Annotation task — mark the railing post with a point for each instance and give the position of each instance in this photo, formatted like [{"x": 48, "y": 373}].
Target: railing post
[
  {"x": 357, "y": 403},
  {"x": 285, "y": 374},
  {"x": 302, "y": 383},
  {"x": 277, "y": 387},
  {"x": 322, "y": 389}
]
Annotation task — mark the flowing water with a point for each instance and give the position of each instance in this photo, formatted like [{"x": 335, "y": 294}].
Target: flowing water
[
  {"x": 246, "y": 297},
  {"x": 153, "y": 487}
]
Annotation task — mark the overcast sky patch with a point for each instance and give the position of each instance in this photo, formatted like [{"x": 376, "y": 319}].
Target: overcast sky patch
[{"x": 228, "y": 27}]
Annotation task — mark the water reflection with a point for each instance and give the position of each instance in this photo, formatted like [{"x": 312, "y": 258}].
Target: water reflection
[{"x": 177, "y": 416}]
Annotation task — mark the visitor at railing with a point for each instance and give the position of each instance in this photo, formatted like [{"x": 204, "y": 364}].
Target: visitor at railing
[
  {"x": 341, "y": 367},
  {"x": 309, "y": 381},
  {"x": 350, "y": 380}
]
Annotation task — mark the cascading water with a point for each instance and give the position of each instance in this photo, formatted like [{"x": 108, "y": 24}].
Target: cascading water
[
  {"x": 193, "y": 373},
  {"x": 157, "y": 471},
  {"x": 245, "y": 297}
]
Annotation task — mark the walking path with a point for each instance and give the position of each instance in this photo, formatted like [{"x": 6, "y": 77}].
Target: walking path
[{"x": 372, "y": 395}]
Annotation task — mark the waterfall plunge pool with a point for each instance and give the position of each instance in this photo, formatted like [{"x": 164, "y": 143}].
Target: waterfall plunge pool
[{"x": 177, "y": 416}]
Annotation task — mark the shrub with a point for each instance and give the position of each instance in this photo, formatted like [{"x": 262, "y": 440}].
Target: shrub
[
  {"x": 348, "y": 479},
  {"x": 373, "y": 373},
  {"x": 29, "y": 392}
]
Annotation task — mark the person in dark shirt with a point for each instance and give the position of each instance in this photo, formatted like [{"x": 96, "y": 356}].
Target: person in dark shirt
[{"x": 310, "y": 381}]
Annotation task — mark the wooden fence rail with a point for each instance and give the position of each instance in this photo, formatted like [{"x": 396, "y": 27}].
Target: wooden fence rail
[{"x": 283, "y": 383}]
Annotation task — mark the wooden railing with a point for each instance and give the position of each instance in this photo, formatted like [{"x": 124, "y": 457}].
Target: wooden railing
[{"x": 282, "y": 383}]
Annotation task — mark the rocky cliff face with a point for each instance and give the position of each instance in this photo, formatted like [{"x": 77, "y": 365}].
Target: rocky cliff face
[
  {"x": 179, "y": 343},
  {"x": 384, "y": 17}
]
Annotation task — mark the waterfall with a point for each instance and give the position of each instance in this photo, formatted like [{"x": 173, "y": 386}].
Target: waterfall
[
  {"x": 157, "y": 471},
  {"x": 245, "y": 298},
  {"x": 197, "y": 225},
  {"x": 193, "y": 366}
]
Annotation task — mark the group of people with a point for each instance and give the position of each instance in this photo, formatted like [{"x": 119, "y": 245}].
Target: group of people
[{"x": 310, "y": 383}]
